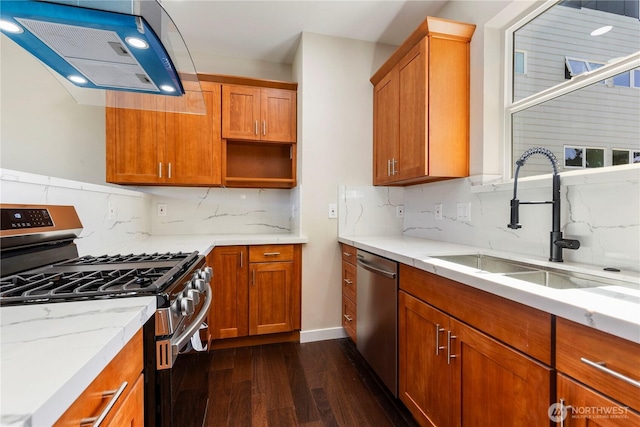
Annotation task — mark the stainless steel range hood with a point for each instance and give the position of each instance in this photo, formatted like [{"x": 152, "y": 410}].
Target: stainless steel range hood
[{"x": 124, "y": 53}]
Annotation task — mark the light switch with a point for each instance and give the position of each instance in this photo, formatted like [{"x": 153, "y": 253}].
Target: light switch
[{"x": 464, "y": 212}]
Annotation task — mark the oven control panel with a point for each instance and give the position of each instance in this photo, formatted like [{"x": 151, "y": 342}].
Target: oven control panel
[{"x": 15, "y": 219}]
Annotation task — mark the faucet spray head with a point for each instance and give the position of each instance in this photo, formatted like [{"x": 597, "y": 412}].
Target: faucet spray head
[{"x": 515, "y": 215}]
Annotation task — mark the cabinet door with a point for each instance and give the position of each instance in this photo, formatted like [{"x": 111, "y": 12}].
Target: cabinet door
[
  {"x": 423, "y": 370},
  {"x": 270, "y": 298},
  {"x": 229, "y": 313},
  {"x": 134, "y": 142},
  {"x": 193, "y": 143},
  {"x": 413, "y": 117},
  {"x": 278, "y": 115},
  {"x": 588, "y": 408},
  {"x": 131, "y": 412},
  {"x": 240, "y": 112},
  {"x": 516, "y": 389},
  {"x": 385, "y": 127}
]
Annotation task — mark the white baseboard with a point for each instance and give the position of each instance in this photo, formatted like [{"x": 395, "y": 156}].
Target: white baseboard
[{"x": 322, "y": 334}]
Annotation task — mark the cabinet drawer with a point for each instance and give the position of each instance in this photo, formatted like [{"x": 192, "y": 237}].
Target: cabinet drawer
[
  {"x": 349, "y": 280},
  {"x": 126, "y": 366},
  {"x": 270, "y": 253},
  {"x": 520, "y": 326},
  {"x": 349, "y": 317},
  {"x": 349, "y": 254},
  {"x": 579, "y": 347}
]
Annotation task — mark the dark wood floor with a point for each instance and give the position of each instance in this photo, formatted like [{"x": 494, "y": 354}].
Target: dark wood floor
[{"x": 324, "y": 383}]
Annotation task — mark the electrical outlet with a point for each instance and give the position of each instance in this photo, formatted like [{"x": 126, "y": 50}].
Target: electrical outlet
[
  {"x": 112, "y": 214},
  {"x": 400, "y": 211},
  {"x": 464, "y": 212},
  {"x": 333, "y": 210},
  {"x": 162, "y": 209},
  {"x": 438, "y": 211}
]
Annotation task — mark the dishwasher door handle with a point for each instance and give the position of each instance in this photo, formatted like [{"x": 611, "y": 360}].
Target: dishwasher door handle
[{"x": 374, "y": 269}]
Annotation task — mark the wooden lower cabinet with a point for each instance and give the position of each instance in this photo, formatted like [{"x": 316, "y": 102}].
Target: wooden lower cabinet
[
  {"x": 124, "y": 375},
  {"x": 585, "y": 407},
  {"x": 451, "y": 374},
  {"x": 349, "y": 291},
  {"x": 256, "y": 290}
]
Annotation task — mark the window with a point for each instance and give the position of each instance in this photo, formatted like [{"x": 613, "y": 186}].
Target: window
[
  {"x": 576, "y": 97},
  {"x": 624, "y": 157}
]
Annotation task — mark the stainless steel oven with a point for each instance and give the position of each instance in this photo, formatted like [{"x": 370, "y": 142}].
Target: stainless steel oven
[{"x": 40, "y": 264}]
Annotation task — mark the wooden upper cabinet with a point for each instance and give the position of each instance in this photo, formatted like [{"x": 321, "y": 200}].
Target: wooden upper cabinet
[
  {"x": 134, "y": 150},
  {"x": 386, "y": 123},
  {"x": 421, "y": 106},
  {"x": 157, "y": 147},
  {"x": 258, "y": 114},
  {"x": 193, "y": 143}
]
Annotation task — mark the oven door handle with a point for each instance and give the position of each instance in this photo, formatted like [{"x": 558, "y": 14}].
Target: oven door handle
[{"x": 185, "y": 336}]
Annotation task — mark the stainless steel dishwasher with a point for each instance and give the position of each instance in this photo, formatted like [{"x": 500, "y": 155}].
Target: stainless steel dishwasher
[{"x": 377, "y": 316}]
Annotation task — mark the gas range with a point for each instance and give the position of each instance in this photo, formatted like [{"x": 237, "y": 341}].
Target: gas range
[
  {"x": 99, "y": 277},
  {"x": 40, "y": 264}
]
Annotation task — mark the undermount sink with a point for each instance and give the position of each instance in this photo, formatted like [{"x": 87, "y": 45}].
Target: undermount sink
[
  {"x": 488, "y": 263},
  {"x": 542, "y": 276}
]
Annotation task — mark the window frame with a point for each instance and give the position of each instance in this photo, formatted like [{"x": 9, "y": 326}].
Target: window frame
[{"x": 609, "y": 70}]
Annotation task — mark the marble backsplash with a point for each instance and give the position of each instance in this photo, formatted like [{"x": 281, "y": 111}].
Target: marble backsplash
[
  {"x": 131, "y": 219},
  {"x": 369, "y": 211},
  {"x": 195, "y": 210},
  {"x": 190, "y": 211},
  {"x": 602, "y": 210}
]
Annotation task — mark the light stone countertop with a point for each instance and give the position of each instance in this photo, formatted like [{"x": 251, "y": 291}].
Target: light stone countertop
[
  {"x": 50, "y": 353},
  {"x": 201, "y": 243},
  {"x": 611, "y": 309}
]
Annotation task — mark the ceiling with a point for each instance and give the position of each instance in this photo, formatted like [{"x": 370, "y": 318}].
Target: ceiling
[{"x": 270, "y": 30}]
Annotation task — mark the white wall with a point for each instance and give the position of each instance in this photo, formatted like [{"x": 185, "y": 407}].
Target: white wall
[
  {"x": 43, "y": 130},
  {"x": 335, "y": 146}
]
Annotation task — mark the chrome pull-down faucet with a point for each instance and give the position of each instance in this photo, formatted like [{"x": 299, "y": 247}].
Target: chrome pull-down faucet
[{"x": 557, "y": 242}]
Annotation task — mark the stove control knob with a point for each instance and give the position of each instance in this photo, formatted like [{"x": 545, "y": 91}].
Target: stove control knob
[
  {"x": 187, "y": 307},
  {"x": 194, "y": 295},
  {"x": 206, "y": 274},
  {"x": 197, "y": 284}
]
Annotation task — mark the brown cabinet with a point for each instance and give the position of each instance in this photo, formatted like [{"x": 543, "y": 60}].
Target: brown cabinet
[
  {"x": 162, "y": 148},
  {"x": 597, "y": 370},
  {"x": 256, "y": 290},
  {"x": 421, "y": 106},
  {"x": 259, "y": 126},
  {"x": 120, "y": 384},
  {"x": 450, "y": 355},
  {"x": 258, "y": 114},
  {"x": 349, "y": 291}
]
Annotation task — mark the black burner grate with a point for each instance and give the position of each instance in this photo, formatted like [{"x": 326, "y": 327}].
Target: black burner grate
[
  {"x": 112, "y": 259},
  {"x": 75, "y": 285}
]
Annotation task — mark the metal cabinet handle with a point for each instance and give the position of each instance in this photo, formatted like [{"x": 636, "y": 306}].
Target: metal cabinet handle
[
  {"x": 449, "y": 355},
  {"x": 115, "y": 395},
  {"x": 241, "y": 258},
  {"x": 349, "y": 318},
  {"x": 169, "y": 170},
  {"x": 264, "y": 127},
  {"x": 346, "y": 254},
  {"x": 348, "y": 282},
  {"x": 271, "y": 254},
  {"x": 438, "y": 346},
  {"x": 601, "y": 366},
  {"x": 256, "y": 127},
  {"x": 160, "y": 170},
  {"x": 395, "y": 171}
]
